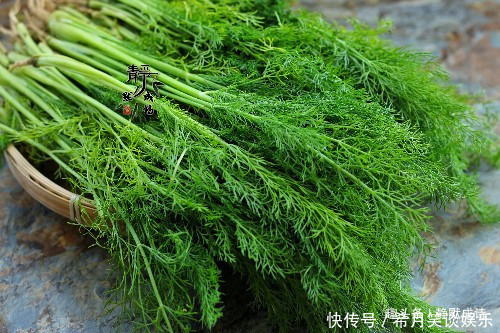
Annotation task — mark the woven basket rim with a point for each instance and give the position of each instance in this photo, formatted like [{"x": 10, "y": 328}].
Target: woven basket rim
[{"x": 47, "y": 192}]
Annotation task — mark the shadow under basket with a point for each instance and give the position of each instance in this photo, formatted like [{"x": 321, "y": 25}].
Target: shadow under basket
[{"x": 48, "y": 193}]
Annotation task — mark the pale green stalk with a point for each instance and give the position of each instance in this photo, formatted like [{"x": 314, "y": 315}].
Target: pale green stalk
[
  {"x": 19, "y": 85},
  {"x": 108, "y": 44},
  {"x": 79, "y": 52},
  {"x": 85, "y": 98},
  {"x": 43, "y": 149}
]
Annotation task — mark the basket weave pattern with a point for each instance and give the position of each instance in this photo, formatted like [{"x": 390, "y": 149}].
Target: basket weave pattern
[{"x": 48, "y": 193}]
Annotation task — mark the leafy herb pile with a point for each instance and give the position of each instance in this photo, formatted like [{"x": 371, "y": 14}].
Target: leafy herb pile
[{"x": 300, "y": 153}]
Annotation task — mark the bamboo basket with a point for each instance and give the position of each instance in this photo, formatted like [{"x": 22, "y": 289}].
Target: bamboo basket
[{"x": 48, "y": 193}]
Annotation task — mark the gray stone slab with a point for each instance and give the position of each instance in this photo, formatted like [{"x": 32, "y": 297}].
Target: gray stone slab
[{"x": 50, "y": 280}]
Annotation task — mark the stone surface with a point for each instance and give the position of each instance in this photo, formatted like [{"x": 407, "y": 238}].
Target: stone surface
[
  {"x": 464, "y": 269},
  {"x": 51, "y": 281}
]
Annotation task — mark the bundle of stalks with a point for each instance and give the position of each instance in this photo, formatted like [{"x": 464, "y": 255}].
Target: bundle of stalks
[{"x": 301, "y": 154}]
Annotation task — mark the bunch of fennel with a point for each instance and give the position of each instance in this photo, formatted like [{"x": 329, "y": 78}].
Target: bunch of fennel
[{"x": 302, "y": 155}]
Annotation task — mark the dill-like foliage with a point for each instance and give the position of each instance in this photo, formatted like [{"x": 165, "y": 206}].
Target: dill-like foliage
[
  {"x": 412, "y": 84},
  {"x": 295, "y": 152}
]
